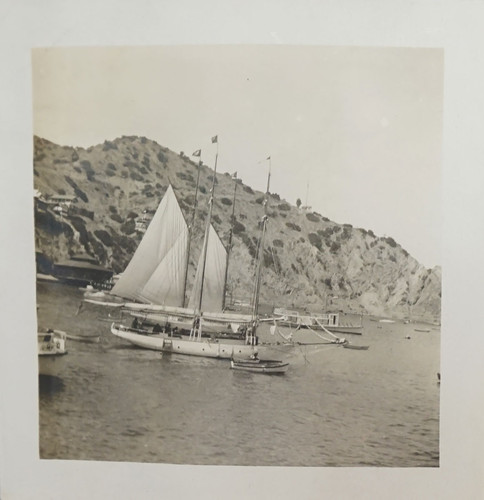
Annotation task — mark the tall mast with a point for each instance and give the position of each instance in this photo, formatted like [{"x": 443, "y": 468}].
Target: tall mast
[
  {"x": 255, "y": 308},
  {"x": 209, "y": 220},
  {"x": 229, "y": 248},
  {"x": 192, "y": 225}
]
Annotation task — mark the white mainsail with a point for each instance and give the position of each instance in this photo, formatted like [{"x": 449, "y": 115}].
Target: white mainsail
[
  {"x": 166, "y": 285},
  {"x": 163, "y": 246},
  {"x": 213, "y": 275}
]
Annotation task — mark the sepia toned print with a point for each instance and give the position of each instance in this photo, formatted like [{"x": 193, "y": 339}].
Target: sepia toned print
[{"x": 237, "y": 255}]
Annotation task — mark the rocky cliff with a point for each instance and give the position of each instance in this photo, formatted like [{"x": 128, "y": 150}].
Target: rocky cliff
[{"x": 310, "y": 261}]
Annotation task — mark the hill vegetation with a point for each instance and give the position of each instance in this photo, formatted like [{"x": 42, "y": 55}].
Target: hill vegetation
[{"x": 310, "y": 261}]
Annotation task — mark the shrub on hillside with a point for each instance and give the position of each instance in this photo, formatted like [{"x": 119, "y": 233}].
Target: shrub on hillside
[
  {"x": 250, "y": 245},
  {"x": 346, "y": 235},
  {"x": 104, "y": 236},
  {"x": 391, "y": 242},
  {"x": 39, "y": 157},
  {"x": 146, "y": 161},
  {"x": 335, "y": 246},
  {"x": 128, "y": 227},
  {"x": 248, "y": 189},
  {"x": 125, "y": 242},
  {"x": 116, "y": 217},
  {"x": 109, "y": 145},
  {"x": 278, "y": 243},
  {"x": 131, "y": 164},
  {"x": 185, "y": 177},
  {"x": 311, "y": 217},
  {"x": 293, "y": 226},
  {"x": 77, "y": 190},
  {"x": 315, "y": 240},
  {"x": 97, "y": 247},
  {"x": 75, "y": 210},
  {"x": 260, "y": 200},
  {"x": 284, "y": 206},
  {"x": 226, "y": 201},
  {"x": 238, "y": 227},
  {"x": 136, "y": 177},
  {"x": 80, "y": 227},
  {"x": 86, "y": 165}
]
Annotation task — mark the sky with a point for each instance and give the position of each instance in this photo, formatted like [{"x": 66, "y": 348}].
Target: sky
[{"x": 354, "y": 132}]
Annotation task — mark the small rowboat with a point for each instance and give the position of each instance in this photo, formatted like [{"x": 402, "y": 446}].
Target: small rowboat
[
  {"x": 358, "y": 347},
  {"x": 256, "y": 365},
  {"x": 84, "y": 338}
]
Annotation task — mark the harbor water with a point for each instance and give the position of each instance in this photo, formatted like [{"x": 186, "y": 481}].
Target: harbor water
[{"x": 334, "y": 406}]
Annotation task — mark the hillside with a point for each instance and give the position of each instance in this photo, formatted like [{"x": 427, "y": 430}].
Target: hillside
[{"x": 310, "y": 261}]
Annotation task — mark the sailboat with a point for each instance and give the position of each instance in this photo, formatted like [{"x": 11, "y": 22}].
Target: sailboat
[{"x": 156, "y": 275}]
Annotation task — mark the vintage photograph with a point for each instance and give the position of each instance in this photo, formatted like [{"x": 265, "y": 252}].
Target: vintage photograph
[{"x": 238, "y": 254}]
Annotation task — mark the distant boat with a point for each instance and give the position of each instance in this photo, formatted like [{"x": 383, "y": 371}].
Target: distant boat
[
  {"x": 424, "y": 330},
  {"x": 356, "y": 347},
  {"x": 47, "y": 278},
  {"x": 256, "y": 365},
  {"x": 51, "y": 346},
  {"x": 84, "y": 338},
  {"x": 329, "y": 321},
  {"x": 387, "y": 321}
]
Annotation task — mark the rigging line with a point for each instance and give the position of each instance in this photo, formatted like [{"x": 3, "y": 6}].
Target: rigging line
[{"x": 324, "y": 329}]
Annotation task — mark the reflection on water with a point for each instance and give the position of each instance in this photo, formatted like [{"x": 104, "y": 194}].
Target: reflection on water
[
  {"x": 50, "y": 385},
  {"x": 334, "y": 407}
]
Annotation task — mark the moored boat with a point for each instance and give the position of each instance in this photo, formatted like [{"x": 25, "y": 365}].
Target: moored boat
[
  {"x": 256, "y": 365},
  {"x": 51, "y": 346},
  {"x": 329, "y": 321},
  {"x": 192, "y": 345},
  {"x": 347, "y": 345}
]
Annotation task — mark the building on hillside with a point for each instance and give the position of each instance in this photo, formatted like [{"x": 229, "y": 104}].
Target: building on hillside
[{"x": 81, "y": 270}]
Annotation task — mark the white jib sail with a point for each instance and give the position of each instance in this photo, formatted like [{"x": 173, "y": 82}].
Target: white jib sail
[
  {"x": 213, "y": 283},
  {"x": 167, "y": 230}
]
